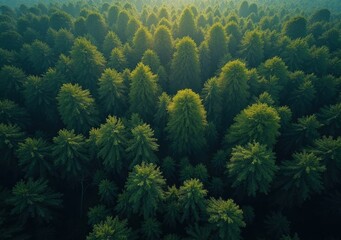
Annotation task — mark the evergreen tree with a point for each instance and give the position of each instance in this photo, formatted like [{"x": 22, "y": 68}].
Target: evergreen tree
[
  {"x": 187, "y": 25},
  {"x": 252, "y": 48},
  {"x": 96, "y": 27},
  {"x": 192, "y": 200},
  {"x": 151, "y": 59},
  {"x": 12, "y": 113},
  {"x": 330, "y": 117},
  {"x": 60, "y": 19},
  {"x": 151, "y": 228},
  {"x": 299, "y": 178},
  {"x": 111, "y": 142},
  {"x": 97, "y": 214},
  {"x": 233, "y": 82},
  {"x": 117, "y": 60},
  {"x": 217, "y": 44},
  {"x": 112, "y": 92},
  {"x": 187, "y": 121},
  {"x": 143, "y": 92},
  {"x": 76, "y": 107},
  {"x": 111, "y": 228},
  {"x": 142, "y": 145},
  {"x": 11, "y": 82},
  {"x": 296, "y": 27},
  {"x": 34, "y": 157},
  {"x": 277, "y": 224},
  {"x": 185, "y": 66},
  {"x": 34, "y": 200},
  {"x": 142, "y": 41},
  {"x": 252, "y": 168},
  {"x": 40, "y": 56},
  {"x": 226, "y": 217},
  {"x": 296, "y": 54},
  {"x": 211, "y": 96},
  {"x": 107, "y": 190},
  {"x": 161, "y": 115},
  {"x": 259, "y": 123},
  {"x": 121, "y": 24},
  {"x": 244, "y": 9},
  {"x": 205, "y": 61},
  {"x": 163, "y": 44},
  {"x": 144, "y": 190},
  {"x": 69, "y": 152},
  {"x": 113, "y": 15},
  {"x": 111, "y": 41},
  {"x": 87, "y": 63},
  {"x": 10, "y": 136}
]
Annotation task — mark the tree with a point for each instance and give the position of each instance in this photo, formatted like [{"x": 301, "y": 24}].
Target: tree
[
  {"x": 112, "y": 92},
  {"x": 163, "y": 44},
  {"x": 244, "y": 9},
  {"x": 322, "y": 15},
  {"x": 117, "y": 60},
  {"x": 185, "y": 66},
  {"x": 161, "y": 115},
  {"x": 187, "y": 25},
  {"x": 296, "y": 27},
  {"x": 252, "y": 48},
  {"x": 121, "y": 24},
  {"x": 10, "y": 136},
  {"x": 111, "y": 228},
  {"x": 192, "y": 200},
  {"x": 277, "y": 224},
  {"x": 111, "y": 141},
  {"x": 142, "y": 41},
  {"x": 151, "y": 228},
  {"x": 217, "y": 44},
  {"x": 107, "y": 190},
  {"x": 111, "y": 41},
  {"x": 87, "y": 63},
  {"x": 233, "y": 82},
  {"x": 211, "y": 95},
  {"x": 11, "y": 40},
  {"x": 60, "y": 19},
  {"x": 34, "y": 157},
  {"x": 187, "y": 121},
  {"x": 113, "y": 15},
  {"x": 252, "y": 168},
  {"x": 226, "y": 217},
  {"x": 143, "y": 92},
  {"x": 299, "y": 178},
  {"x": 34, "y": 199},
  {"x": 96, "y": 27},
  {"x": 12, "y": 113},
  {"x": 132, "y": 26},
  {"x": 69, "y": 152},
  {"x": 205, "y": 60},
  {"x": 63, "y": 42},
  {"x": 76, "y": 107},
  {"x": 144, "y": 189},
  {"x": 40, "y": 56},
  {"x": 11, "y": 82},
  {"x": 151, "y": 59},
  {"x": 330, "y": 117},
  {"x": 259, "y": 122}
]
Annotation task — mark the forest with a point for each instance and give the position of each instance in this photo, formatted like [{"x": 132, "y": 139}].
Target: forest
[{"x": 170, "y": 119}]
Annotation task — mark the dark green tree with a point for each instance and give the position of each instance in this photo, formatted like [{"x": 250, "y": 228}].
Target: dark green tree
[
  {"x": 121, "y": 24},
  {"x": 144, "y": 190},
  {"x": 142, "y": 145},
  {"x": 111, "y": 41},
  {"x": 10, "y": 136},
  {"x": 34, "y": 200},
  {"x": 187, "y": 25},
  {"x": 192, "y": 200},
  {"x": 252, "y": 168},
  {"x": 34, "y": 157},
  {"x": 296, "y": 27},
  {"x": 244, "y": 9},
  {"x": 143, "y": 92},
  {"x": 163, "y": 44},
  {"x": 97, "y": 214},
  {"x": 111, "y": 142},
  {"x": 69, "y": 152},
  {"x": 330, "y": 117},
  {"x": 187, "y": 122},
  {"x": 226, "y": 217},
  {"x": 96, "y": 27},
  {"x": 259, "y": 122},
  {"x": 60, "y": 19},
  {"x": 276, "y": 224},
  {"x": 87, "y": 63},
  {"x": 12, "y": 113},
  {"x": 252, "y": 48},
  {"x": 151, "y": 229},
  {"x": 11, "y": 82},
  {"x": 117, "y": 60},
  {"x": 141, "y": 42},
  {"x": 185, "y": 66},
  {"x": 151, "y": 59},
  {"x": 111, "y": 228},
  {"x": 107, "y": 190},
  {"x": 112, "y": 92},
  {"x": 211, "y": 95}
]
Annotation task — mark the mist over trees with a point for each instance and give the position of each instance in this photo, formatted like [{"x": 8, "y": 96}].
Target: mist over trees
[{"x": 173, "y": 120}]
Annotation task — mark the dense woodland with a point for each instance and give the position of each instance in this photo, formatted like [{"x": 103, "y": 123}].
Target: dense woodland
[{"x": 173, "y": 120}]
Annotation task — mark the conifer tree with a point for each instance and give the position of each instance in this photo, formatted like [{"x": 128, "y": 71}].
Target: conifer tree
[
  {"x": 11, "y": 82},
  {"x": 142, "y": 145},
  {"x": 151, "y": 59},
  {"x": 252, "y": 48},
  {"x": 111, "y": 41},
  {"x": 142, "y": 41},
  {"x": 10, "y": 136},
  {"x": 96, "y": 27},
  {"x": 76, "y": 107},
  {"x": 211, "y": 96},
  {"x": 112, "y": 92},
  {"x": 12, "y": 113},
  {"x": 117, "y": 60},
  {"x": 296, "y": 27},
  {"x": 185, "y": 66},
  {"x": 163, "y": 44},
  {"x": 143, "y": 92},
  {"x": 187, "y": 121},
  {"x": 161, "y": 115},
  {"x": 226, "y": 217},
  {"x": 252, "y": 168},
  {"x": 187, "y": 25},
  {"x": 121, "y": 24}
]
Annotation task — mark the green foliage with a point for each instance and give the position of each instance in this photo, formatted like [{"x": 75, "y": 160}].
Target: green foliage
[
  {"x": 187, "y": 121},
  {"x": 34, "y": 157},
  {"x": 211, "y": 95},
  {"x": 107, "y": 191},
  {"x": 63, "y": 41},
  {"x": 277, "y": 224},
  {"x": 233, "y": 82},
  {"x": 187, "y": 25},
  {"x": 217, "y": 44},
  {"x": 10, "y": 112},
  {"x": 76, "y": 107},
  {"x": 87, "y": 63},
  {"x": 252, "y": 48},
  {"x": 117, "y": 60},
  {"x": 151, "y": 229},
  {"x": 142, "y": 145},
  {"x": 60, "y": 19},
  {"x": 11, "y": 82},
  {"x": 252, "y": 168},
  {"x": 112, "y": 92},
  {"x": 110, "y": 42},
  {"x": 163, "y": 44},
  {"x": 296, "y": 27},
  {"x": 300, "y": 177},
  {"x": 10, "y": 136},
  {"x": 161, "y": 115},
  {"x": 330, "y": 117},
  {"x": 40, "y": 56},
  {"x": 111, "y": 142},
  {"x": 96, "y": 26},
  {"x": 150, "y": 59},
  {"x": 226, "y": 216},
  {"x": 142, "y": 41},
  {"x": 34, "y": 199},
  {"x": 70, "y": 152},
  {"x": 110, "y": 228},
  {"x": 97, "y": 214},
  {"x": 259, "y": 122},
  {"x": 185, "y": 66},
  {"x": 143, "y": 92},
  {"x": 192, "y": 200}
]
